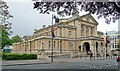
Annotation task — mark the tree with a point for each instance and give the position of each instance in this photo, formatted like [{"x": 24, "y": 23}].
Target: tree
[
  {"x": 16, "y": 39},
  {"x": 109, "y": 10},
  {"x": 6, "y": 41},
  {"x": 5, "y": 26}
]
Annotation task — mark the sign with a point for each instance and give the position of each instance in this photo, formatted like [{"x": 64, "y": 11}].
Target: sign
[
  {"x": 105, "y": 39},
  {"x": 104, "y": 49}
]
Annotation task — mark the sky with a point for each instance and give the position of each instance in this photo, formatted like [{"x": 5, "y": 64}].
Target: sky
[{"x": 26, "y": 19}]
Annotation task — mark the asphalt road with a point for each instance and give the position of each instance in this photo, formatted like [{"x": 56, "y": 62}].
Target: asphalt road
[{"x": 93, "y": 64}]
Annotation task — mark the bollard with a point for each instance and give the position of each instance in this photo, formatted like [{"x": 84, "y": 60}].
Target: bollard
[
  {"x": 81, "y": 57},
  {"x": 94, "y": 57}
]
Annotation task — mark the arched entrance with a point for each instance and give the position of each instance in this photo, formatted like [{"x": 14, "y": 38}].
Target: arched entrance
[
  {"x": 80, "y": 48},
  {"x": 86, "y": 47}
]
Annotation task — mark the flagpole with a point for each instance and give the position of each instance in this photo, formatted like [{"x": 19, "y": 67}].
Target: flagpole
[
  {"x": 52, "y": 40},
  {"x": 106, "y": 45}
]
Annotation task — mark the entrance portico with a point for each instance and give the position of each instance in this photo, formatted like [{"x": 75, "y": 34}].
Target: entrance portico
[{"x": 93, "y": 44}]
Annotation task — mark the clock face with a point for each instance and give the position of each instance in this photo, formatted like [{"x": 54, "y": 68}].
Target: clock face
[{"x": 87, "y": 19}]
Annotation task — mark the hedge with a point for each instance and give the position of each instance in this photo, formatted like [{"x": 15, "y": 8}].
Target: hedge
[
  {"x": 29, "y": 56},
  {"x": 1, "y": 54},
  {"x": 11, "y": 56}
]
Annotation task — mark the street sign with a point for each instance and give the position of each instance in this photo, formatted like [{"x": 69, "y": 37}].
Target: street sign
[{"x": 104, "y": 49}]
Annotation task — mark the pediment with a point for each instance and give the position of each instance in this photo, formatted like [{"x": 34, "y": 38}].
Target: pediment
[{"x": 88, "y": 18}]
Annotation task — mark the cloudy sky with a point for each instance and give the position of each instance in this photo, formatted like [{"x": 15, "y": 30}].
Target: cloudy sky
[{"x": 26, "y": 19}]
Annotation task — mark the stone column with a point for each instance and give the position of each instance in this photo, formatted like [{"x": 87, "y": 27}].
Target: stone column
[
  {"x": 89, "y": 31},
  {"x": 62, "y": 32},
  {"x": 93, "y": 48},
  {"x": 99, "y": 48},
  {"x": 95, "y": 30},
  {"x": 82, "y": 48}
]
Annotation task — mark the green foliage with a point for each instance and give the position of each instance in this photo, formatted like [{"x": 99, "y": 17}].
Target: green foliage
[
  {"x": 5, "y": 25},
  {"x": 11, "y": 56},
  {"x": 1, "y": 53},
  {"x": 6, "y": 41},
  {"x": 29, "y": 56},
  {"x": 16, "y": 39}
]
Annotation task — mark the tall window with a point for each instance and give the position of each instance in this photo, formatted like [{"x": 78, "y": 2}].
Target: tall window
[
  {"x": 49, "y": 44},
  {"x": 70, "y": 45},
  {"x": 87, "y": 31},
  {"x": 81, "y": 30},
  {"x": 58, "y": 44},
  {"x": 37, "y": 44},
  {"x": 70, "y": 33},
  {"x": 56, "y": 33},
  {"x": 54, "y": 44},
  {"x": 91, "y": 30}
]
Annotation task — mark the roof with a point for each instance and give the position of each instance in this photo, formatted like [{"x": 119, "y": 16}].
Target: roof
[{"x": 99, "y": 32}]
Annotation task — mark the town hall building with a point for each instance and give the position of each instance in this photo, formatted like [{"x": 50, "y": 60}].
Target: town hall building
[{"x": 77, "y": 34}]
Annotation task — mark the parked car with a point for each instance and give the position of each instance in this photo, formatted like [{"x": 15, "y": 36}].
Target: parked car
[{"x": 118, "y": 58}]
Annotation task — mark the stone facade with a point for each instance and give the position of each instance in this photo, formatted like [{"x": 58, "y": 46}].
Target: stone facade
[{"x": 78, "y": 33}]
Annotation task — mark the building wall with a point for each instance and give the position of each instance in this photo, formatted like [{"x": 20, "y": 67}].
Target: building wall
[
  {"x": 113, "y": 37},
  {"x": 69, "y": 36}
]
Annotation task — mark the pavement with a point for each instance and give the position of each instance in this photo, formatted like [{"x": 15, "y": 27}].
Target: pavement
[
  {"x": 87, "y": 64},
  {"x": 24, "y": 62},
  {"x": 47, "y": 61}
]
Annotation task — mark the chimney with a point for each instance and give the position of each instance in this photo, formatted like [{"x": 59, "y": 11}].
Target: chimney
[
  {"x": 43, "y": 26},
  {"x": 35, "y": 30},
  {"x": 77, "y": 13}
]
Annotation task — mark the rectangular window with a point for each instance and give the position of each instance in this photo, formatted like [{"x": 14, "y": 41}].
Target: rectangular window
[
  {"x": 56, "y": 33},
  {"x": 37, "y": 45},
  {"x": 70, "y": 45},
  {"x": 81, "y": 30},
  {"x": 87, "y": 31},
  {"x": 49, "y": 44},
  {"x": 54, "y": 44},
  {"x": 70, "y": 33},
  {"x": 91, "y": 30},
  {"x": 58, "y": 44}
]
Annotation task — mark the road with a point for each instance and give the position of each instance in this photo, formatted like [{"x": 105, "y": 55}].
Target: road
[{"x": 93, "y": 64}]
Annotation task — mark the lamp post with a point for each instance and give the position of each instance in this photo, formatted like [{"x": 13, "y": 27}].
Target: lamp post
[
  {"x": 56, "y": 21},
  {"x": 52, "y": 40},
  {"x": 94, "y": 49}
]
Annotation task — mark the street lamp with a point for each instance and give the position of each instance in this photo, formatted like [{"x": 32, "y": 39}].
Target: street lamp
[
  {"x": 56, "y": 21},
  {"x": 52, "y": 40}
]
